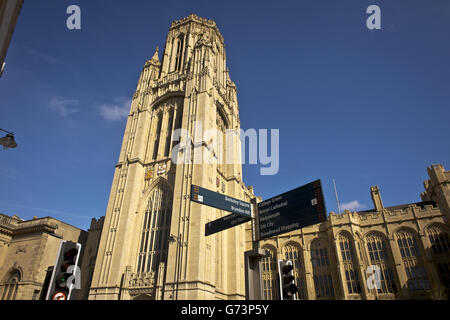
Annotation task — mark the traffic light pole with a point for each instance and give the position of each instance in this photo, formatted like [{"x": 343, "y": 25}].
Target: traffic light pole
[
  {"x": 65, "y": 270},
  {"x": 253, "y": 283}
]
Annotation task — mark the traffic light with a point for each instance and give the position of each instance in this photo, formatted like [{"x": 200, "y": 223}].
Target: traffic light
[
  {"x": 66, "y": 273},
  {"x": 288, "y": 289}
]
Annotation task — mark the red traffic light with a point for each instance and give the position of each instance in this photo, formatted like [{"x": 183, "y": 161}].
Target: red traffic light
[
  {"x": 288, "y": 279},
  {"x": 70, "y": 254},
  {"x": 287, "y": 268},
  {"x": 66, "y": 264}
]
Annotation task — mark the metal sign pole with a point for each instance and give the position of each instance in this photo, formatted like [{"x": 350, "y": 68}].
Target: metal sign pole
[{"x": 253, "y": 283}]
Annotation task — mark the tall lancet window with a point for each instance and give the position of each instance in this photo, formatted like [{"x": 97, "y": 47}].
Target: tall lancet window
[
  {"x": 179, "y": 53},
  {"x": 10, "y": 288},
  {"x": 220, "y": 146},
  {"x": 412, "y": 261},
  {"x": 321, "y": 267},
  {"x": 158, "y": 135},
  {"x": 379, "y": 256},
  {"x": 155, "y": 230},
  {"x": 293, "y": 252},
  {"x": 350, "y": 263},
  {"x": 269, "y": 274},
  {"x": 440, "y": 253},
  {"x": 169, "y": 133}
]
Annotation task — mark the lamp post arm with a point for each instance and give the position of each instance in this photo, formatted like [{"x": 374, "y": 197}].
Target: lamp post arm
[{"x": 6, "y": 131}]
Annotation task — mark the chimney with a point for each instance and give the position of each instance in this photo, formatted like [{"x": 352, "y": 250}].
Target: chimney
[{"x": 376, "y": 198}]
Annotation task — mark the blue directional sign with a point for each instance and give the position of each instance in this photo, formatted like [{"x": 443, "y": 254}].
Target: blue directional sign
[
  {"x": 224, "y": 223},
  {"x": 295, "y": 209},
  {"x": 220, "y": 201},
  {"x": 241, "y": 210}
]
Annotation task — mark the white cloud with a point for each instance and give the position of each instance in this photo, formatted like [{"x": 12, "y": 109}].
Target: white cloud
[
  {"x": 41, "y": 55},
  {"x": 116, "y": 111},
  {"x": 64, "y": 107},
  {"x": 352, "y": 205}
]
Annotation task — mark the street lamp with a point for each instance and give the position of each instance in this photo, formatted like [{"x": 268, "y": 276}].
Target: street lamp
[{"x": 8, "y": 140}]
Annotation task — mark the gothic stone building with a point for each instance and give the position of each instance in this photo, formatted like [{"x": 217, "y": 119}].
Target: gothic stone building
[
  {"x": 409, "y": 245},
  {"x": 152, "y": 244},
  {"x": 28, "y": 248}
]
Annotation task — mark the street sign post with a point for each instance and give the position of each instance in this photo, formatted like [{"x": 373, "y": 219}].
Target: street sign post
[
  {"x": 295, "y": 209},
  {"x": 241, "y": 210},
  {"x": 220, "y": 201},
  {"x": 224, "y": 223}
]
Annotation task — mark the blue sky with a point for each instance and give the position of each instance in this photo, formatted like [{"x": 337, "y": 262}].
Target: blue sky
[{"x": 367, "y": 107}]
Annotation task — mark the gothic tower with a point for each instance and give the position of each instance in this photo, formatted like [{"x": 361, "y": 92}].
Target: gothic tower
[{"x": 153, "y": 243}]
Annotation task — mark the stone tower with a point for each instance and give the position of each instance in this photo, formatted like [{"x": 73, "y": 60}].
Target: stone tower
[{"x": 153, "y": 243}]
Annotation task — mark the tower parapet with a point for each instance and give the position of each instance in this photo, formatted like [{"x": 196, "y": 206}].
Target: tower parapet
[{"x": 437, "y": 188}]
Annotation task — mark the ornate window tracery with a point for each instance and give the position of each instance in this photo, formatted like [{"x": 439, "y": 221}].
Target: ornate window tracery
[
  {"x": 412, "y": 261},
  {"x": 350, "y": 263},
  {"x": 293, "y": 252},
  {"x": 155, "y": 230},
  {"x": 440, "y": 250},
  {"x": 379, "y": 256},
  {"x": 323, "y": 280},
  {"x": 11, "y": 285},
  {"x": 269, "y": 274}
]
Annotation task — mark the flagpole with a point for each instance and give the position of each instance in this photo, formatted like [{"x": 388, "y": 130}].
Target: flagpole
[{"x": 337, "y": 199}]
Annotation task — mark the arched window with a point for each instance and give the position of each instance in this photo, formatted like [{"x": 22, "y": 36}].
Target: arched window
[
  {"x": 155, "y": 230},
  {"x": 379, "y": 256},
  {"x": 269, "y": 274},
  {"x": 323, "y": 281},
  {"x": 293, "y": 252},
  {"x": 412, "y": 261},
  {"x": 10, "y": 288},
  {"x": 221, "y": 140},
  {"x": 169, "y": 132},
  {"x": 179, "y": 53},
  {"x": 350, "y": 264},
  {"x": 158, "y": 135},
  {"x": 440, "y": 249}
]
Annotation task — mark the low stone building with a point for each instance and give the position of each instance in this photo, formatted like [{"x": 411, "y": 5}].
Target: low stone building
[
  {"x": 28, "y": 248},
  {"x": 399, "y": 252}
]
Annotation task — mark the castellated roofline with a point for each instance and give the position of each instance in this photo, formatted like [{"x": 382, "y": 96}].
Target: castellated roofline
[
  {"x": 408, "y": 211},
  {"x": 435, "y": 166},
  {"x": 97, "y": 224},
  {"x": 194, "y": 18}
]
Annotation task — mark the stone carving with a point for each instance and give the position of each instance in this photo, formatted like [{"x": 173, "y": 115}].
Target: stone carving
[{"x": 140, "y": 280}]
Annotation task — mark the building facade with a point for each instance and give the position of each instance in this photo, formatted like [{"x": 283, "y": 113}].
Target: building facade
[
  {"x": 399, "y": 252},
  {"x": 9, "y": 13},
  {"x": 153, "y": 244},
  {"x": 28, "y": 248}
]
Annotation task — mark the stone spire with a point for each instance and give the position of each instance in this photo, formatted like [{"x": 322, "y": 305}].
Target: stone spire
[{"x": 155, "y": 57}]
